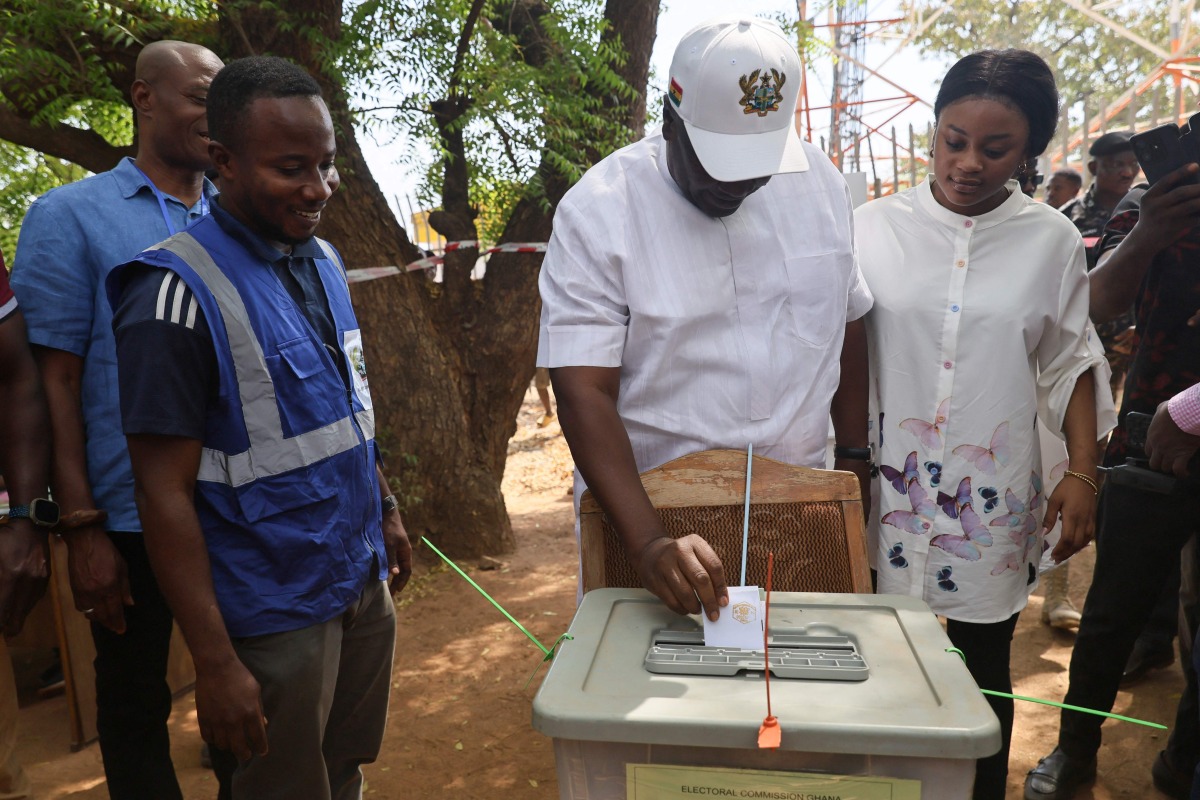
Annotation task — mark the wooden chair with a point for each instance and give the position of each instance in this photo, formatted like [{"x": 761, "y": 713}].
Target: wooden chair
[
  {"x": 55, "y": 622},
  {"x": 811, "y": 519}
]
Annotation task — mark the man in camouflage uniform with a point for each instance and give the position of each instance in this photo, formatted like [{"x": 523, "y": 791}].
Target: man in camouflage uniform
[{"x": 1113, "y": 167}]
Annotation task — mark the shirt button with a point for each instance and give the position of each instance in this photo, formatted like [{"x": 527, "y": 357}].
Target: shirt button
[
  {"x": 954, "y": 308},
  {"x": 948, "y": 365},
  {"x": 960, "y": 263},
  {"x": 968, "y": 224}
]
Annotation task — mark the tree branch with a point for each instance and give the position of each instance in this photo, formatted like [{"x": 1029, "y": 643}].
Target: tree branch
[
  {"x": 86, "y": 148},
  {"x": 372, "y": 110},
  {"x": 464, "y": 47},
  {"x": 506, "y": 141},
  {"x": 230, "y": 13}
]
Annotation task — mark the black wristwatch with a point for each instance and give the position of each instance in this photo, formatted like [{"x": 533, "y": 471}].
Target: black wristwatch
[
  {"x": 852, "y": 453},
  {"x": 40, "y": 511},
  {"x": 390, "y": 503},
  {"x": 866, "y": 454}
]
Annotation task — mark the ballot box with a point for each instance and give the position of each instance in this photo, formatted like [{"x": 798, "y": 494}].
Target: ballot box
[{"x": 870, "y": 703}]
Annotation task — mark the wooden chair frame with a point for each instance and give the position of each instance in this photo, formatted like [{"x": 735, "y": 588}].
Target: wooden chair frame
[{"x": 718, "y": 478}]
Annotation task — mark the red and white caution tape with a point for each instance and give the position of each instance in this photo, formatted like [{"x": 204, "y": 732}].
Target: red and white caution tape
[{"x": 371, "y": 273}]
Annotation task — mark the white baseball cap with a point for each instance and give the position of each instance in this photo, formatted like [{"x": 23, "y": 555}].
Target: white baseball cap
[{"x": 734, "y": 83}]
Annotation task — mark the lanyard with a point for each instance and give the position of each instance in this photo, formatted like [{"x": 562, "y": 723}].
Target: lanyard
[{"x": 162, "y": 201}]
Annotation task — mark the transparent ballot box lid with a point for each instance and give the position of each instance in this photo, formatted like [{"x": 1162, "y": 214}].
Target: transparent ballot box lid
[{"x": 855, "y": 674}]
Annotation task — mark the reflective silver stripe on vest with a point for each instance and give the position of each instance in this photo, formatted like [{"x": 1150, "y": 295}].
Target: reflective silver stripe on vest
[
  {"x": 270, "y": 453},
  {"x": 366, "y": 421}
]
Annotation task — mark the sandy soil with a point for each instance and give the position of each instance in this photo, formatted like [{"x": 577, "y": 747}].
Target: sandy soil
[{"x": 459, "y": 723}]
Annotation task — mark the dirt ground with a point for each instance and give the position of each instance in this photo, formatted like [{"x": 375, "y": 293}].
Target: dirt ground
[{"x": 459, "y": 724}]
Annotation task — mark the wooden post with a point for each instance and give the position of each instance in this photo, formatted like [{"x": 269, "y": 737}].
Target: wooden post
[
  {"x": 912, "y": 156},
  {"x": 1131, "y": 109},
  {"x": 1083, "y": 147},
  {"x": 929, "y": 139},
  {"x": 895, "y": 163},
  {"x": 1066, "y": 137}
]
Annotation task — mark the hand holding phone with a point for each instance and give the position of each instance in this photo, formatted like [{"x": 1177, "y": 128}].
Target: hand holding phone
[{"x": 1162, "y": 150}]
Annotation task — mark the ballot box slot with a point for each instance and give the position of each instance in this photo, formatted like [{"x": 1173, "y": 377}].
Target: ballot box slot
[{"x": 793, "y": 656}]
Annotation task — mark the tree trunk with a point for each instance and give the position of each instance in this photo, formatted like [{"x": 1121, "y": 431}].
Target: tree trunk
[
  {"x": 426, "y": 389},
  {"x": 635, "y": 24}
]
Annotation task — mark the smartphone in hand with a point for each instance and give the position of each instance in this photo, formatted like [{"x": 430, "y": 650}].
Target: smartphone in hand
[{"x": 1162, "y": 150}]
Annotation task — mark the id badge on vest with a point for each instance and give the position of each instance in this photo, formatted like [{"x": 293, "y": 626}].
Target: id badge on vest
[{"x": 352, "y": 345}]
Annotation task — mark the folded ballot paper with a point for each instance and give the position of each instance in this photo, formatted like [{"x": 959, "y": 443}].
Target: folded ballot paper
[{"x": 740, "y": 623}]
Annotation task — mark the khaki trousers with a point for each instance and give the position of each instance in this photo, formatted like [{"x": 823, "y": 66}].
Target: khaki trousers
[{"x": 325, "y": 695}]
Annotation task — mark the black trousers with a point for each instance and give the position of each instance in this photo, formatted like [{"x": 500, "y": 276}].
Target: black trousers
[
  {"x": 1163, "y": 625},
  {"x": 987, "y": 647},
  {"x": 1139, "y": 536},
  {"x": 1183, "y": 745},
  {"x": 133, "y": 700}
]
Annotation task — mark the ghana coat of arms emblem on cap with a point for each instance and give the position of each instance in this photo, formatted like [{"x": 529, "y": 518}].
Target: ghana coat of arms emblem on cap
[{"x": 758, "y": 95}]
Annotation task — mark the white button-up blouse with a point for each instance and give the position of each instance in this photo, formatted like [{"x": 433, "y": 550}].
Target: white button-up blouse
[{"x": 979, "y": 330}]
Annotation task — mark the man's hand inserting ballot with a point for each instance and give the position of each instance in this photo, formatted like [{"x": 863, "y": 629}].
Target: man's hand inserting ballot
[{"x": 684, "y": 573}]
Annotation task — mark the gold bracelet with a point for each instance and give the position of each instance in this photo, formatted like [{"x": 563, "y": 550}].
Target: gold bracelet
[{"x": 1085, "y": 479}]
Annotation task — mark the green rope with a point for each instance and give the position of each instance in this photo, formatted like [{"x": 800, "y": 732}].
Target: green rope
[
  {"x": 548, "y": 651},
  {"x": 548, "y": 657},
  {"x": 1059, "y": 705}
]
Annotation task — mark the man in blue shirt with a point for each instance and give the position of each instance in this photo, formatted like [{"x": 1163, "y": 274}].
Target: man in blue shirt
[
  {"x": 245, "y": 402},
  {"x": 70, "y": 240}
]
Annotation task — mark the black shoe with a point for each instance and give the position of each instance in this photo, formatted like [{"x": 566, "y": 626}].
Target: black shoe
[
  {"x": 1146, "y": 658},
  {"x": 1057, "y": 776},
  {"x": 1169, "y": 780}
]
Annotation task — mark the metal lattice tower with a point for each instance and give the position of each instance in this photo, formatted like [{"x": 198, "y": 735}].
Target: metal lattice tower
[{"x": 845, "y": 121}]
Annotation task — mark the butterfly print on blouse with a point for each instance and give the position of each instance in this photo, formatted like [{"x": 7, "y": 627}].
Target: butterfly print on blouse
[
  {"x": 975, "y": 535},
  {"x": 952, "y": 504},
  {"x": 920, "y": 518},
  {"x": 929, "y": 434},
  {"x": 943, "y": 580},
  {"x": 900, "y": 478},
  {"x": 985, "y": 459}
]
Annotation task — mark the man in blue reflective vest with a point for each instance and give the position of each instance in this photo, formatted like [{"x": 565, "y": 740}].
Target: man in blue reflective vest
[{"x": 245, "y": 403}]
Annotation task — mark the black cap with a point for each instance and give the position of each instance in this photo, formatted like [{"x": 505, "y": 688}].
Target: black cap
[{"x": 1111, "y": 144}]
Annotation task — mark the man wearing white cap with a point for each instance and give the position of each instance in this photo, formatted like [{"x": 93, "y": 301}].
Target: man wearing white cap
[{"x": 701, "y": 291}]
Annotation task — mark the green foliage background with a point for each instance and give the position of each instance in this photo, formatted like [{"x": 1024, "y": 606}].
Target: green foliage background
[
  {"x": 1089, "y": 60},
  {"x": 395, "y": 57},
  {"x": 525, "y": 109},
  {"x": 57, "y": 63}
]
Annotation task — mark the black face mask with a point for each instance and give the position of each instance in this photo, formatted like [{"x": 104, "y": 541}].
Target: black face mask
[{"x": 713, "y": 197}]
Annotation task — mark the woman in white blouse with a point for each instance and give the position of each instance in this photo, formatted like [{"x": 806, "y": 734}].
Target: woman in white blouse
[{"x": 980, "y": 333}]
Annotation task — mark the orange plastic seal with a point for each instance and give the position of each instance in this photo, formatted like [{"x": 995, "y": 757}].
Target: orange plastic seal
[{"x": 769, "y": 733}]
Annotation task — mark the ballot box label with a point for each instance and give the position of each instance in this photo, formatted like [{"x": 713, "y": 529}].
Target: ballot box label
[{"x": 664, "y": 782}]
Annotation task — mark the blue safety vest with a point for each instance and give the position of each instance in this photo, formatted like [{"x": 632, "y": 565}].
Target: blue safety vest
[{"x": 286, "y": 493}]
